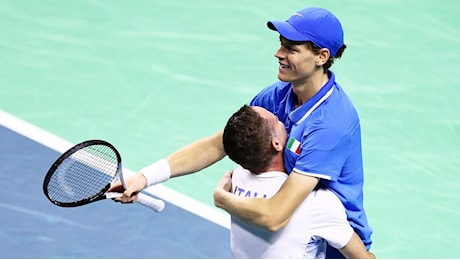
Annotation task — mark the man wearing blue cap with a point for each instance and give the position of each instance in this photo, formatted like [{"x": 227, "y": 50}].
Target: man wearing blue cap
[{"x": 324, "y": 142}]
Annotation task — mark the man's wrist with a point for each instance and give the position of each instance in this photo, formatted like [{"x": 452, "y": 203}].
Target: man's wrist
[{"x": 158, "y": 172}]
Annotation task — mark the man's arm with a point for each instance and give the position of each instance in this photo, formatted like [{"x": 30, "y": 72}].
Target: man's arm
[
  {"x": 189, "y": 159},
  {"x": 274, "y": 213},
  {"x": 197, "y": 155},
  {"x": 271, "y": 214},
  {"x": 355, "y": 249}
]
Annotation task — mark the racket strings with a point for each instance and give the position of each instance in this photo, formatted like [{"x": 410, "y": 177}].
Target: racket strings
[{"x": 84, "y": 174}]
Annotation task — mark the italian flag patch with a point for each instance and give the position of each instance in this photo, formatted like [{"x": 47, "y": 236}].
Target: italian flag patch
[{"x": 294, "y": 146}]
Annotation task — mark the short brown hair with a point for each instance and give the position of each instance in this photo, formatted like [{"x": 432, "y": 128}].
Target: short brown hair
[
  {"x": 247, "y": 140},
  {"x": 315, "y": 49}
]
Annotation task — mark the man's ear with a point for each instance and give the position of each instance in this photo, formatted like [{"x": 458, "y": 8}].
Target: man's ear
[
  {"x": 277, "y": 145},
  {"x": 323, "y": 56}
]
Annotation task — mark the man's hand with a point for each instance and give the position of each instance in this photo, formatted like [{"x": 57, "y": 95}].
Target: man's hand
[
  {"x": 226, "y": 182},
  {"x": 134, "y": 183},
  {"x": 224, "y": 186}
]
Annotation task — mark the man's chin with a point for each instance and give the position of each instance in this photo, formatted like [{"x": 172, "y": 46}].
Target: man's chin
[{"x": 283, "y": 78}]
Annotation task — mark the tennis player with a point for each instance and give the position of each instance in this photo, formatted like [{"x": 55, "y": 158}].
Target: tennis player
[
  {"x": 324, "y": 143},
  {"x": 255, "y": 139}
]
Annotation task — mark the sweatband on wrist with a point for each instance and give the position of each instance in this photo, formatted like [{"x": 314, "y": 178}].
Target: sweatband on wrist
[{"x": 157, "y": 172}]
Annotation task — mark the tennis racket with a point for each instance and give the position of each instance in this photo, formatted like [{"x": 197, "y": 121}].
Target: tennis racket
[{"x": 84, "y": 174}]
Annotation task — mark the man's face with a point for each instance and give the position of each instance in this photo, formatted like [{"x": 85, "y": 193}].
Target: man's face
[
  {"x": 296, "y": 62},
  {"x": 277, "y": 125}
]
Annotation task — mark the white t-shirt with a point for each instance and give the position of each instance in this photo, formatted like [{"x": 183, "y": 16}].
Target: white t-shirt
[{"x": 318, "y": 220}]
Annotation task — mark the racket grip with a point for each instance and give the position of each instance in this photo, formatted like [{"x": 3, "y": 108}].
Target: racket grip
[{"x": 150, "y": 202}]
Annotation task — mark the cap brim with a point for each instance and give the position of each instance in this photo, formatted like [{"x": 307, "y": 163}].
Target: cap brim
[{"x": 286, "y": 30}]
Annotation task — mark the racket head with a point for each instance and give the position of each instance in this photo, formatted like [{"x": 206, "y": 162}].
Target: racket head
[{"x": 82, "y": 174}]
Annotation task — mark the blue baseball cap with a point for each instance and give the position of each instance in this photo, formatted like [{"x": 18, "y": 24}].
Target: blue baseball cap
[{"x": 312, "y": 24}]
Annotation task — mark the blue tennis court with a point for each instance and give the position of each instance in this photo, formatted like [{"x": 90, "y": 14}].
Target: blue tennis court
[
  {"x": 150, "y": 76},
  {"x": 32, "y": 227}
]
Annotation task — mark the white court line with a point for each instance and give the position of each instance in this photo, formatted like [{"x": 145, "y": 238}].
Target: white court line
[{"x": 60, "y": 145}]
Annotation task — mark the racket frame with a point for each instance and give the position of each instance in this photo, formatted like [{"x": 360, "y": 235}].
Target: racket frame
[
  {"x": 98, "y": 196},
  {"x": 144, "y": 199}
]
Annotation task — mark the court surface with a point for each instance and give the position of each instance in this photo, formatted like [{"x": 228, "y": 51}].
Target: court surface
[
  {"x": 152, "y": 76},
  {"x": 32, "y": 227}
]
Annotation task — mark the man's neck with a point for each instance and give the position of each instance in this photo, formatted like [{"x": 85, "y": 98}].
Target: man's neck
[
  {"x": 277, "y": 164},
  {"x": 309, "y": 88}
]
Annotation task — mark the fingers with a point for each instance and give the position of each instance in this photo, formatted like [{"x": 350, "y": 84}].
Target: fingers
[
  {"x": 135, "y": 184},
  {"x": 226, "y": 181},
  {"x": 126, "y": 199},
  {"x": 116, "y": 187},
  {"x": 222, "y": 190},
  {"x": 128, "y": 196},
  {"x": 229, "y": 174}
]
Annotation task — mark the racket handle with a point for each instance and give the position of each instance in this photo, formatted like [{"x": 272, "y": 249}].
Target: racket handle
[{"x": 150, "y": 202}]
